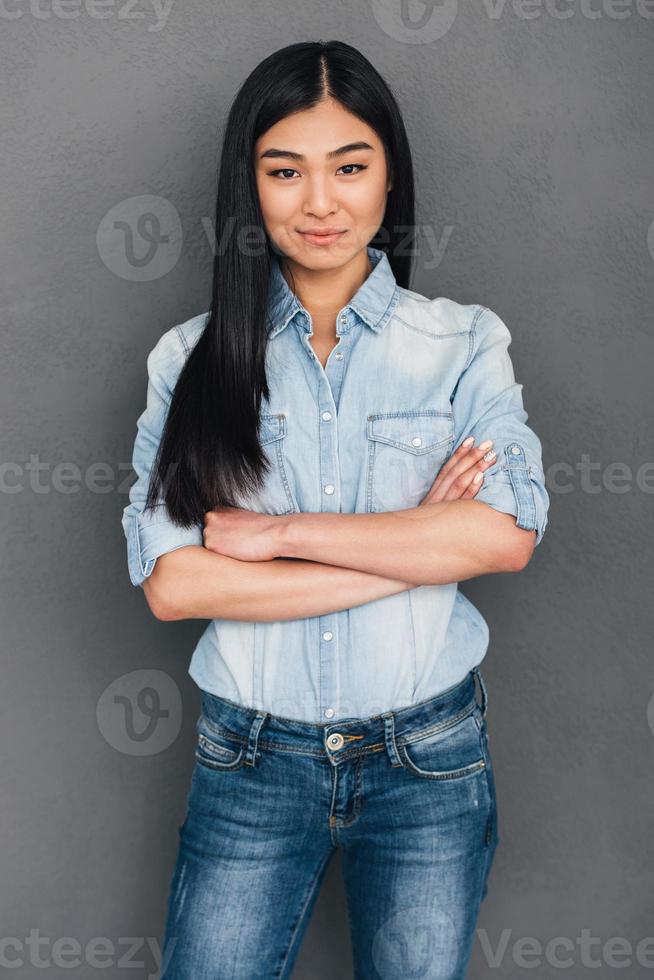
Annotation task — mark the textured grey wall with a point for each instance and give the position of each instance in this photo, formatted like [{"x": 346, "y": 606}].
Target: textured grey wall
[{"x": 532, "y": 132}]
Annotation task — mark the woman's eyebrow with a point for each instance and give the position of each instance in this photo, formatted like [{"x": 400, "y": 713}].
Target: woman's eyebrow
[{"x": 348, "y": 148}]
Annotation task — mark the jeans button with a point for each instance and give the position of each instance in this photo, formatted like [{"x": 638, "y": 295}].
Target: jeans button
[{"x": 336, "y": 741}]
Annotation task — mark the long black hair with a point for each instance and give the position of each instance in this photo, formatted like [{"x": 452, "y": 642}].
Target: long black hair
[{"x": 209, "y": 452}]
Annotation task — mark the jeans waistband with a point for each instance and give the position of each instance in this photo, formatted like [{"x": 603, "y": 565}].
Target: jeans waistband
[{"x": 346, "y": 738}]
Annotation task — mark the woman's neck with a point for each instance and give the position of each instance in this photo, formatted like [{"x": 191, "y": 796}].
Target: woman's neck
[{"x": 324, "y": 292}]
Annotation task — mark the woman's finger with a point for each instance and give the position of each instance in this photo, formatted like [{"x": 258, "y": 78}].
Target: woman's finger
[
  {"x": 466, "y": 484},
  {"x": 466, "y": 447},
  {"x": 451, "y": 481}
]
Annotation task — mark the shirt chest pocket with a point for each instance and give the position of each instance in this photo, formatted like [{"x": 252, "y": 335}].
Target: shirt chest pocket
[
  {"x": 276, "y": 496},
  {"x": 405, "y": 452}
]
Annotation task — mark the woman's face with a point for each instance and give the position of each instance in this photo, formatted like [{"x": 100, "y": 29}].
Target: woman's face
[{"x": 302, "y": 189}]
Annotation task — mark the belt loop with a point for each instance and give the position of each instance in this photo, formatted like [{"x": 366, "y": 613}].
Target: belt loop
[
  {"x": 250, "y": 755},
  {"x": 389, "y": 735},
  {"x": 484, "y": 693}
]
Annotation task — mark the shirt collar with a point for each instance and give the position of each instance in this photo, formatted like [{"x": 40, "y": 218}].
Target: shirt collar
[{"x": 373, "y": 302}]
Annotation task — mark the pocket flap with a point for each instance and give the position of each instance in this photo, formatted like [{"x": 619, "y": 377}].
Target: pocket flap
[
  {"x": 414, "y": 432},
  {"x": 272, "y": 427}
]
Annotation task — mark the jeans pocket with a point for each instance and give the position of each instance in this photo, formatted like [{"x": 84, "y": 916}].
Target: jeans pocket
[
  {"x": 455, "y": 751},
  {"x": 217, "y": 748}
]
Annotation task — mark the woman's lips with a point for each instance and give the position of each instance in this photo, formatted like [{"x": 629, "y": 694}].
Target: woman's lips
[{"x": 313, "y": 239}]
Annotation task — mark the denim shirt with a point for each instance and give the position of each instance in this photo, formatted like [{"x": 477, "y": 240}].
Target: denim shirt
[{"x": 408, "y": 380}]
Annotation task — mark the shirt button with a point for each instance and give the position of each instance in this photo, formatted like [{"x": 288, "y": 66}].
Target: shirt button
[
  {"x": 327, "y": 635},
  {"x": 326, "y": 416},
  {"x": 343, "y": 319},
  {"x": 417, "y": 441},
  {"x": 515, "y": 450},
  {"x": 329, "y": 488},
  {"x": 329, "y": 712},
  {"x": 338, "y": 355}
]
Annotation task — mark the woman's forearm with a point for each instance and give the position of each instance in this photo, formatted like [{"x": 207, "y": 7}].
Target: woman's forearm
[
  {"x": 195, "y": 583},
  {"x": 433, "y": 544}
]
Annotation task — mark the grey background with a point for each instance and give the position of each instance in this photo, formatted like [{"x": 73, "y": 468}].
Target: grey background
[{"x": 532, "y": 140}]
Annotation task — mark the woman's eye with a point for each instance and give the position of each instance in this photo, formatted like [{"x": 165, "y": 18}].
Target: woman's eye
[
  {"x": 360, "y": 166},
  {"x": 290, "y": 170},
  {"x": 284, "y": 170}
]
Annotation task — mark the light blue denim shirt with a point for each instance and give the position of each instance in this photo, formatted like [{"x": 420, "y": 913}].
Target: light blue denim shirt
[{"x": 408, "y": 380}]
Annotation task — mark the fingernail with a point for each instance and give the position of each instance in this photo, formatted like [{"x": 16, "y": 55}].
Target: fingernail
[
  {"x": 489, "y": 455},
  {"x": 478, "y": 477},
  {"x": 485, "y": 445},
  {"x": 469, "y": 441}
]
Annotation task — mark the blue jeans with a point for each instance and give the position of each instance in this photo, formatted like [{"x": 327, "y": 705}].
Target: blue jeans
[{"x": 409, "y": 798}]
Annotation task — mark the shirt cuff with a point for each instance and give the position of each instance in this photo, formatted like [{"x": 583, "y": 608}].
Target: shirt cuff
[
  {"x": 518, "y": 488},
  {"x": 148, "y": 538}
]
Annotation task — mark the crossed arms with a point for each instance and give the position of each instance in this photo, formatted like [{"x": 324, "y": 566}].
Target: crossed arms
[
  {"x": 275, "y": 568},
  {"x": 258, "y": 567}
]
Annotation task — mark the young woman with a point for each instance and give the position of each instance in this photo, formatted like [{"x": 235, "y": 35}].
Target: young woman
[{"x": 314, "y": 477}]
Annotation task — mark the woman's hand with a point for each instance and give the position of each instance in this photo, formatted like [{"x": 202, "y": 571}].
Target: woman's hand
[
  {"x": 250, "y": 536},
  {"x": 242, "y": 534},
  {"x": 456, "y": 478}
]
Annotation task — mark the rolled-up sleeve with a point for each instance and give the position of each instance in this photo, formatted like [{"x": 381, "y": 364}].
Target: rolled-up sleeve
[
  {"x": 488, "y": 405},
  {"x": 151, "y": 533}
]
